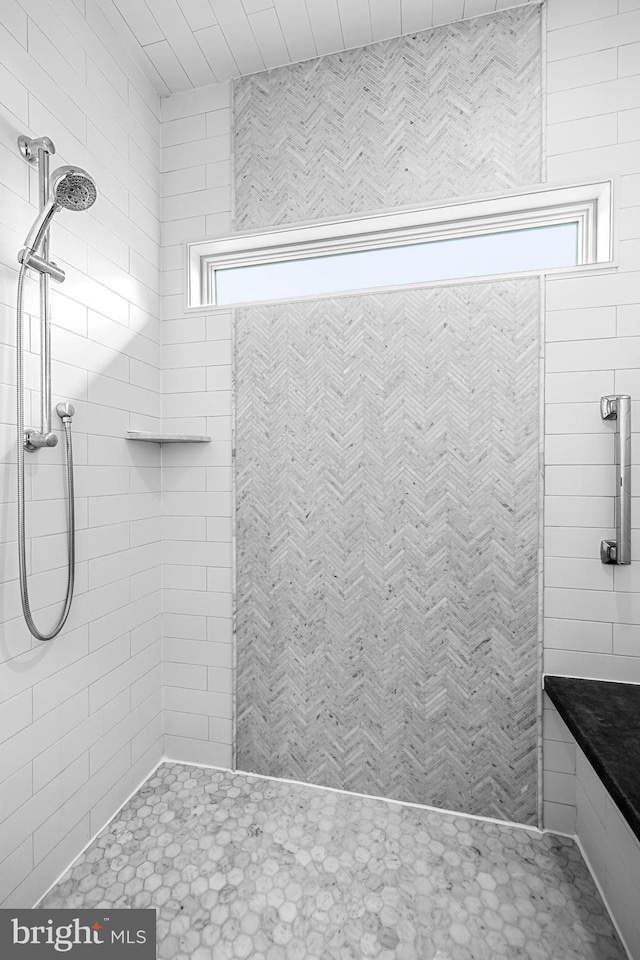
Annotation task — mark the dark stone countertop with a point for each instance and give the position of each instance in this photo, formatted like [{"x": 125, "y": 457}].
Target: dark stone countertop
[{"x": 604, "y": 718}]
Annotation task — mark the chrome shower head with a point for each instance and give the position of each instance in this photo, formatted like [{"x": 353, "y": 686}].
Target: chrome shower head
[{"x": 73, "y": 188}]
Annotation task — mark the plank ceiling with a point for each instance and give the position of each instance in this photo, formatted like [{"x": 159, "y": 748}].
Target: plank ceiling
[{"x": 181, "y": 44}]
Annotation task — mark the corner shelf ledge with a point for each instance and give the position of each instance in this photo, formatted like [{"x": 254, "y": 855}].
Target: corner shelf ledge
[{"x": 148, "y": 437}]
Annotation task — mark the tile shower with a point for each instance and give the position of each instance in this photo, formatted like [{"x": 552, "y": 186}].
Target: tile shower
[{"x": 247, "y": 866}]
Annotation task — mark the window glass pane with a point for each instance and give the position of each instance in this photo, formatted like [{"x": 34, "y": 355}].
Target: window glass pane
[{"x": 534, "y": 248}]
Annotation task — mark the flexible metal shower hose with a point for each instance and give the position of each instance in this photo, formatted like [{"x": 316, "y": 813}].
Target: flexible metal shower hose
[{"x": 71, "y": 529}]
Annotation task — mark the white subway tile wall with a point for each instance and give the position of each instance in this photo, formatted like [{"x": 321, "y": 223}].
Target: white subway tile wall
[
  {"x": 592, "y": 325},
  {"x": 81, "y": 715},
  {"x": 197, "y": 479}
]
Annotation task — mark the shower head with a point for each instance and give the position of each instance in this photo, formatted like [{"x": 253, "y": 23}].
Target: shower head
[{"x": 72, "y": 188}]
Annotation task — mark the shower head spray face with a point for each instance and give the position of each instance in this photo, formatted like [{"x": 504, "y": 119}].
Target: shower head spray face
[{"x": 73, "y": 188}]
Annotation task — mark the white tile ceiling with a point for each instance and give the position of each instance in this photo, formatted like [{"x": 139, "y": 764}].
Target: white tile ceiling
[{"x": 182, "y": 44}]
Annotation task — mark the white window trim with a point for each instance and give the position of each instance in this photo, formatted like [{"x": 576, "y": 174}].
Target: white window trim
[{"x": 588, "y": 204}]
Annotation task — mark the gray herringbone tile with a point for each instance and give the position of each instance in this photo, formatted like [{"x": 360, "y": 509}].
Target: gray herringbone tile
[
  {"x": 387, "y": 501},
  {"x": 446, "y": 113}
]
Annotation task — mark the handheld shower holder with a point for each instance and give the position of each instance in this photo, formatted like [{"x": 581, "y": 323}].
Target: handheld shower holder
[
  {"x": 34, "y": 440},
  {"x": 34, "y": 262}
]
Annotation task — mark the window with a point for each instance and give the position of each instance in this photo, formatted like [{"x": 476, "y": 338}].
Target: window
[
  {"x": 542, "y": 230},
  {"x": 515, "y": 250}
]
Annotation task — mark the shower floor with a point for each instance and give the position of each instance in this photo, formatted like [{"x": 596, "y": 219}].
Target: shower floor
[{"x": 238, "y": 866}]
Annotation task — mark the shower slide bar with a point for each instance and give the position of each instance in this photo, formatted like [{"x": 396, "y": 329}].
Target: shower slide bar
[
  {"x": 68, "y": 188},
  {"x": 618, "y": 407},
  {"x": 37, "y": 153}
]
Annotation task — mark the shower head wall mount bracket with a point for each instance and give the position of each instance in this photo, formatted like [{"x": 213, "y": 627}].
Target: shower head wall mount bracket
[{"x": 30, "y": 147}]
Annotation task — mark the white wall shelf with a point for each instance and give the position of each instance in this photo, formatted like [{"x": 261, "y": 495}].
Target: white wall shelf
[{"x": 148, "y": 437}]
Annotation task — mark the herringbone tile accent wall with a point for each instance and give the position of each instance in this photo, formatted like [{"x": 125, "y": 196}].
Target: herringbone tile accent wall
[
  {"x": 448, "y": 112},
  {"x": 387, "y": 505}
]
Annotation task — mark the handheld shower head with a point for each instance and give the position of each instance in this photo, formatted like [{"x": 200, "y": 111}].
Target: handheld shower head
[{"x": 73, "y": 189}]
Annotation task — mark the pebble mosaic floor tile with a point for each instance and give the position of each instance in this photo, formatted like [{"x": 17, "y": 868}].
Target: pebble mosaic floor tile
[{"x": 242, "y": 867}]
